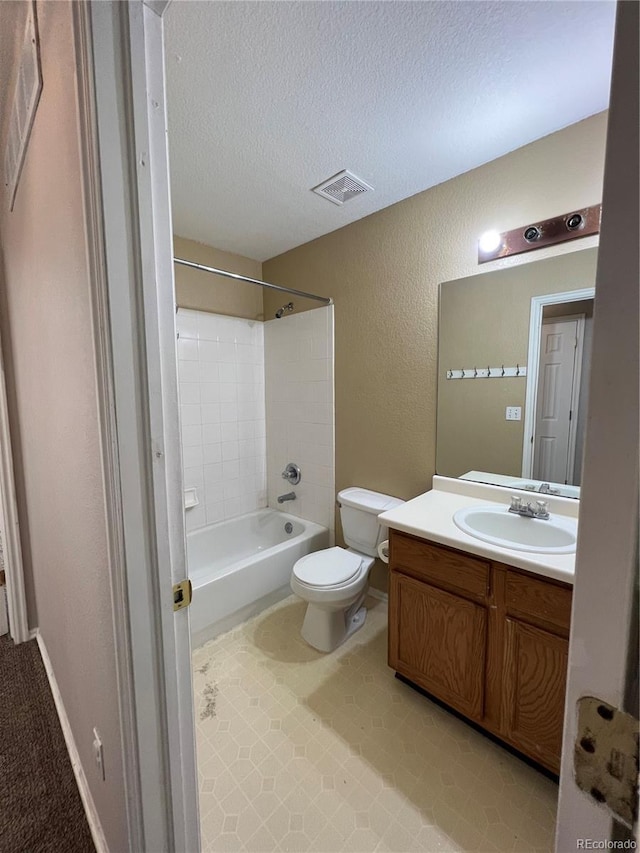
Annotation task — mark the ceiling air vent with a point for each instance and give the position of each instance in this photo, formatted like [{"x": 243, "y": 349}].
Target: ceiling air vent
[{"x": 342, "y": 187}]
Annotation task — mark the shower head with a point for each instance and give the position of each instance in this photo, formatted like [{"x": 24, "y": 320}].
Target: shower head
[{"x": 280, "y": 311}]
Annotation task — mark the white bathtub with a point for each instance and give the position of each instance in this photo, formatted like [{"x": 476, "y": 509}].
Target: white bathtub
[{"x": 240, "y": 566}]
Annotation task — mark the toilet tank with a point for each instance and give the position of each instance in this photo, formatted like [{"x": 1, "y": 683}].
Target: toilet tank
[{"x": 359, "y": 511}]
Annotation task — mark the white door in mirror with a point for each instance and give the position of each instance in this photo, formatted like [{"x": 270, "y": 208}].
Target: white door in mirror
[{"x": 495, "y": 524}]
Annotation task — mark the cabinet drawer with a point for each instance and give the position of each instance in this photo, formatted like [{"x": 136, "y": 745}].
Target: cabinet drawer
[
  {"x": 539, "y": 600},
  {"x": 440, "y": 566}
]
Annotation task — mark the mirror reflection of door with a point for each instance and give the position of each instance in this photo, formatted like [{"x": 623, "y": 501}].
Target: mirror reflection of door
[{"x": 563, "y": 374}]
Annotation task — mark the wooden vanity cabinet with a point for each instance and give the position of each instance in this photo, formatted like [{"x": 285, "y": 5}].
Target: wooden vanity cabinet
[{"x": 487, "y": 639}]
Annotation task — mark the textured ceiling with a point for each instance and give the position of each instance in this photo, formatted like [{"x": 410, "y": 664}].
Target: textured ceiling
[{"x": 268, "y": 99}]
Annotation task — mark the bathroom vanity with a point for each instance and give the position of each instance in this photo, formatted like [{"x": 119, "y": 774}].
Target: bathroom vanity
[{"x": 482, "y": 628}]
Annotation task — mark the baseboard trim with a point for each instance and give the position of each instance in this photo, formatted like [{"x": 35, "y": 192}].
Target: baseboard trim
[
  {"x": 81, "y": 780},
  {"x": 377, "y": 593}
]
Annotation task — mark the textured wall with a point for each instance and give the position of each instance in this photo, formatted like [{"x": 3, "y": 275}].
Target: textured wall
[
  {"x": 206, "y": 292},
  {"x": 47, "y": 338},
  {"x": 383, "y": 272},
  {"x": 484, "y": 321}
]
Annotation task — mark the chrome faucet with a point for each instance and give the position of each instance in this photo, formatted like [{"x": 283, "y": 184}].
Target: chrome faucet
[
  {"x": 541, "y": 509},
  {"x": 290, "y": 496},
  {"x": 546, "y": 489}
]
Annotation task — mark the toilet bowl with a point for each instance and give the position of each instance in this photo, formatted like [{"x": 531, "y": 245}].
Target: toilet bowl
[{"x": 334, "y": 581}]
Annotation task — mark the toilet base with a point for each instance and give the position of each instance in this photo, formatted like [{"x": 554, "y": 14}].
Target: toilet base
[{"x": 326, "y": 629}]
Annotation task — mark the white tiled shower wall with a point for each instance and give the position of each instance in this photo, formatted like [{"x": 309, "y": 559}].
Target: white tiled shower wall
[
  {"x": 233, "y": 441},
  {"x": 300, "y": 412},
  {"x": 222, "y": 406}
]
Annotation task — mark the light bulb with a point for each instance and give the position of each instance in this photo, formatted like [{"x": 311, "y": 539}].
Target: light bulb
[{"x": 489, "y": 241}]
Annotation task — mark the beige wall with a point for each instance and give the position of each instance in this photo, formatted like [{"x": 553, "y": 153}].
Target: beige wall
[
  {"x": 383, "y": 272},
  {"x": 205, "y": 292},
  {"x": 484, "y": 321},
  {"x": 48, "y": 349}
]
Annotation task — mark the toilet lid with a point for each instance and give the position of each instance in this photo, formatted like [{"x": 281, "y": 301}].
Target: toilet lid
[{"x": 329, "y": 567}]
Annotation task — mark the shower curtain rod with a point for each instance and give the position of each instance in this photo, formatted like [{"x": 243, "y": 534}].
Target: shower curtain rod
[{"x": 238, "y": 277}]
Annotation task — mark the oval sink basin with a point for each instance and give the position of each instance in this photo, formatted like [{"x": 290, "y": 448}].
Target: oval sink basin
[{"x": 495, "y": 524}]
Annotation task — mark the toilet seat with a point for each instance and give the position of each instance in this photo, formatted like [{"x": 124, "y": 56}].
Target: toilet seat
[{"x": 332, "y": 567}]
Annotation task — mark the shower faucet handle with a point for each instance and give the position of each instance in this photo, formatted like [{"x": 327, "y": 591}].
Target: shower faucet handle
[{"x": 292, "y": 473}]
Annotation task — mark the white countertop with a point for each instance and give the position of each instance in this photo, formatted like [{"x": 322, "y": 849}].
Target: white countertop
[{"x": 430, "y": 516}]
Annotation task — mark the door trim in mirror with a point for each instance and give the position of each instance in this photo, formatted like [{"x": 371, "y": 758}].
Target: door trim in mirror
[{"x": 538, "y": 304}]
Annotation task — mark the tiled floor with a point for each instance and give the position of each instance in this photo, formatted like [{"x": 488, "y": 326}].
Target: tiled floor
[{"x": 303, "y": 751}]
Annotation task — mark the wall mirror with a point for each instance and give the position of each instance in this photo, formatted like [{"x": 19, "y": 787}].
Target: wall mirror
[{"x": 522, "y": 338}]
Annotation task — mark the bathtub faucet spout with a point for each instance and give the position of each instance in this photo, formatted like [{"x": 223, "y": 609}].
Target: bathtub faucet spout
[{"x": 290, "y": 496}]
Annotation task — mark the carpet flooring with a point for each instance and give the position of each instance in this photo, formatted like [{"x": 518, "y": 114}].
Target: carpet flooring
[{"x": 40, "y": 807}]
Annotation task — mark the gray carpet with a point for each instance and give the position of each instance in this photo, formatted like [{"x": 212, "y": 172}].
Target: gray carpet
[{"x": 40, "y": 807}]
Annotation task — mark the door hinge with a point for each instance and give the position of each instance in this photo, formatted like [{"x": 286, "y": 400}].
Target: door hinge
[
  {"x": 182, "y": 594},
  {"x": 570, "y": 414},
  {"x": 605, "y": 757}
]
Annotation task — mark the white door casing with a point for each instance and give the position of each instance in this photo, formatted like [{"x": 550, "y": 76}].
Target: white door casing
[
  {"x": 153, "y": 643},
  {"x": 559, "y": 371}
]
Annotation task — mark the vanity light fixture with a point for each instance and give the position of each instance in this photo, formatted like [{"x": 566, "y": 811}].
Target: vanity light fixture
[{"x": 569, "y": 226}]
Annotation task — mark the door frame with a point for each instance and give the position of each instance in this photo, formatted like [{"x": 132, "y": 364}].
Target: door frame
[
  {"x": 603, "y": 647},
  {"x": 538, "y": 304},
  {"x": 120, "y": 59},
  {"x": 10, "y": 526}
]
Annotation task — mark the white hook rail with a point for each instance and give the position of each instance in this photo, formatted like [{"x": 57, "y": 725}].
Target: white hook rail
[{"x": 501, "y": 372}]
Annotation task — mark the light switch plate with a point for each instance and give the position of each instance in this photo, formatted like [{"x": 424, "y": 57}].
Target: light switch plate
[{"x": 513, "y": 413}]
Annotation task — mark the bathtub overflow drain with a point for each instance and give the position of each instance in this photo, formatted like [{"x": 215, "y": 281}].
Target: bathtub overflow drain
[{"x": 288, "y": 528}]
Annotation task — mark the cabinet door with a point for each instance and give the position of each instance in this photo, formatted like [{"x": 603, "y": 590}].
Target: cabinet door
[
  {"x": 535, "y": 675},
  {"x": 438, "y": 640}
]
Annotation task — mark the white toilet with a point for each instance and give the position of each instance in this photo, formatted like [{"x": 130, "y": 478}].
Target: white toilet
[{"x": 334, "y": 581}]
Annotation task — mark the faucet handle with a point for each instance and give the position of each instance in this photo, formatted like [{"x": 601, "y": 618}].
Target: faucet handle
[
  {"x": 516, "y": 502},
  {"x": 543, "y": 507},
  {"x": 292, "y": 473}
]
